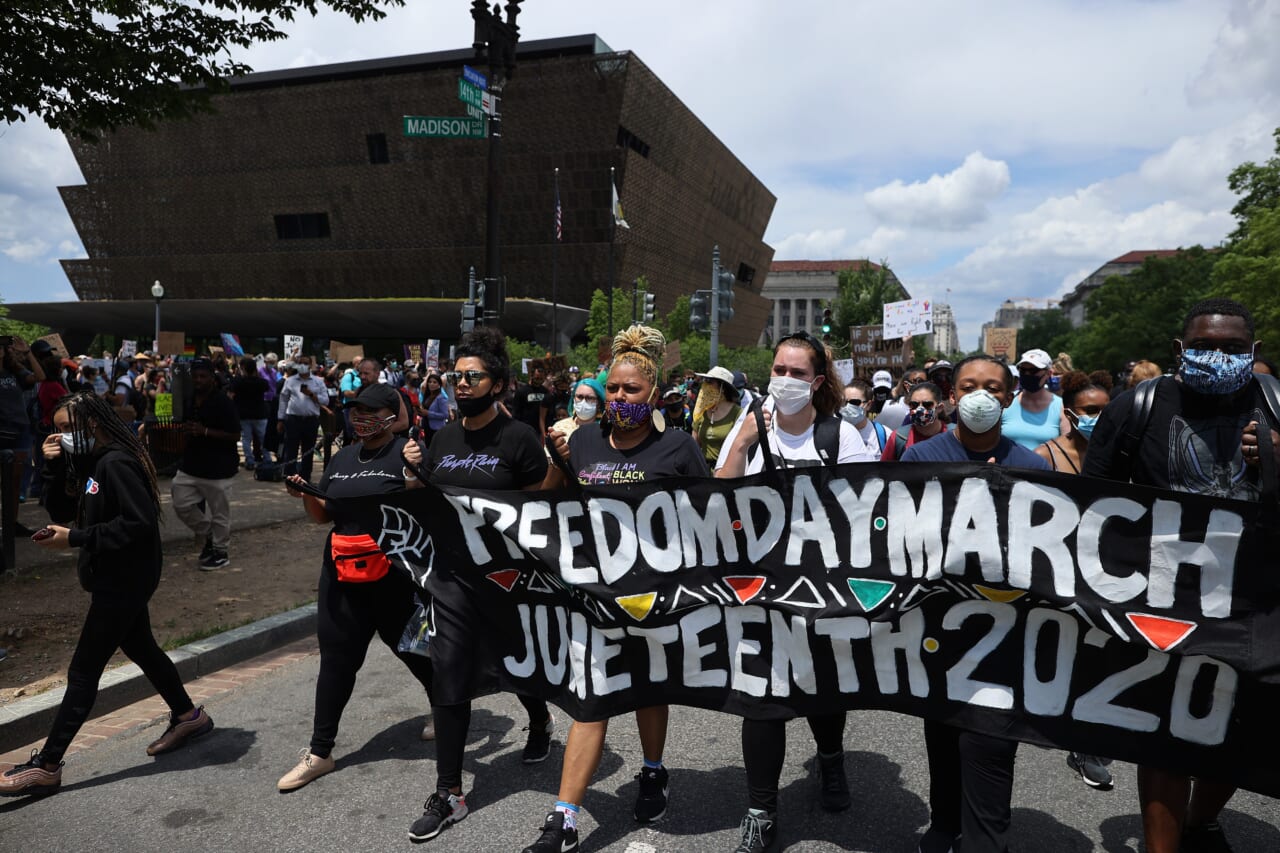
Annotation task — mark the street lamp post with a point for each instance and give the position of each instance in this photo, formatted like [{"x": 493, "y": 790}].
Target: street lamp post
[{"x": 157, "y": 290}]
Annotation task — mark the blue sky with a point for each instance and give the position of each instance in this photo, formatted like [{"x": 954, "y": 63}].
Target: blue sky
[{"x": 998, "y": 148}]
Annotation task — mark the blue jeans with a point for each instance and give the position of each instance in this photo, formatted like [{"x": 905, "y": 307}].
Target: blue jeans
[{"x": 249, "y": 432}]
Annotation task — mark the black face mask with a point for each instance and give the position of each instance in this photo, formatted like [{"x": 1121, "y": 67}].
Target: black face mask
[
  {"x": 1030, "y": 382},
  {"x": 469, "y": 407}
]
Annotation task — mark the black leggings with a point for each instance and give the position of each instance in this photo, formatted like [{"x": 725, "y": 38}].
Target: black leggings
[
  {"x": 970, "y": 785},
  {"x": 452, "y": 724},
  {"x": 349, "y": 614},
  {"x": 111, "y": 623},
  {"x": 764, "y": 747}
]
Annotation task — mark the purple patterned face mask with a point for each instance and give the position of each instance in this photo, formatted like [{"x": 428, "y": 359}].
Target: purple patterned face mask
[{"x": 626, "y": 416}]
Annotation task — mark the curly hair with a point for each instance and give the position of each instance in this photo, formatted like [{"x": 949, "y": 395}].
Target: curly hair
[
  {"x": 1076, "y": 383},
  {"x": 488, "y": 344},
  {"x": 643, "y": 347}
]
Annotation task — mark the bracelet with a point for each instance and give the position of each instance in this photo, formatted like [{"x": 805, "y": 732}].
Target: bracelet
[{"x": 409, "y": 475}]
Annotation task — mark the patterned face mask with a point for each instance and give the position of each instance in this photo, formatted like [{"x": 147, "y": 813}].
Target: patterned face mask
[
  {"x": 626, "y": 416},
  {"x": 1216, "y": 373}
]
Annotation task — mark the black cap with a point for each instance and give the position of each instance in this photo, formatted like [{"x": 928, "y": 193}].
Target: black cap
[
  {"x": 377, "y": 395},
  {"x": 739, "y": 380},
  {"x": 41, "y": 348},
  {"x": 668, "y": 390},
  {"x": 201, "y": 364}
]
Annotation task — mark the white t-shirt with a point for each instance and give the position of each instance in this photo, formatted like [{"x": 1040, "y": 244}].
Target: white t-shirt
[
  {"x": 870, "y": 439},
  {"x": 798, "y": 451}
]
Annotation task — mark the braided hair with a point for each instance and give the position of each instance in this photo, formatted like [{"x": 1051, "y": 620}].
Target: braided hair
[
  {"x": 88, "y": 411},
  {"x": 643, "y": 347}
]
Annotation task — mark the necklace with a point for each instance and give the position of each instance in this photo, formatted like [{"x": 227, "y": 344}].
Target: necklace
[{"x": 376, "y": 453}]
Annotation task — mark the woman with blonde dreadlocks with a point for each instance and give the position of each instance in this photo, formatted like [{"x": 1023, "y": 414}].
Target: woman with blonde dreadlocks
[
  {"x": 632, "y": 446},
  {"x": 101, "y": 495}
]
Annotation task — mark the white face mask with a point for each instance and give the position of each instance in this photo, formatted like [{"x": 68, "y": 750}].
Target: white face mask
[
  {"x": 68, "y": 442},
  {"x": 585, "y": 410},
  {"x": 790, "y": 395},
  {"x": 979, "y": 411},
  {"x": 304, "y": 370},
  {"x": 853, "y": 414}
]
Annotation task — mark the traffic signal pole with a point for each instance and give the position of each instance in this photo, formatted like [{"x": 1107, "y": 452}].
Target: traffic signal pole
[{"x": 714, "y": 319}]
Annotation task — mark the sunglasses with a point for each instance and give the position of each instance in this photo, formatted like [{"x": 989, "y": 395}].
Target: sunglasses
[
  {"x": 927, "y": 405},
  {"x": 854, "y": 402},
  {"x": 472, "y": 377}
]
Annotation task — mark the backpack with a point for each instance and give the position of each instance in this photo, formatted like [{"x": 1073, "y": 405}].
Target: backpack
[
  {"x": 901, "y": 436},
  {"x": 882, "y": 435},
  {"x": 1144, "y": 398},
  {"x": 826, "y": 437}
]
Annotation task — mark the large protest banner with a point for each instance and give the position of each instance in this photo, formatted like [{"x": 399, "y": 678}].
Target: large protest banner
[{"x": 1081, "y": 614}]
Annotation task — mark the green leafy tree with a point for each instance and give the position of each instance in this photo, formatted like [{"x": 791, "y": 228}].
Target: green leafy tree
[
  {"x": 1249, "y": 268},
  {"x": 1249, "y": 272},
  {"x": 598, "y": 324},
  {"x": 1044, "y": 330},
  {"x": 89, "y": 66},
  {"x": 676, "y": 327},
  {"x": 27, "y": 331},
  {"x": 1138, "y": 316},
  {"x": 1258, "y": 187},
  {"x": 861, "y": 294}
]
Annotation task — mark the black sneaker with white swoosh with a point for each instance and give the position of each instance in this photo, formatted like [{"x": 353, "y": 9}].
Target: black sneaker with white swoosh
[{"x": 555, "y": 837}]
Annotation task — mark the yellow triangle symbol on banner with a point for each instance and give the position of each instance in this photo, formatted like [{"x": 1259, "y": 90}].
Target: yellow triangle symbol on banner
[
  {"x": 1002, "y": 596},
  {"x": 637, "y": 606}
]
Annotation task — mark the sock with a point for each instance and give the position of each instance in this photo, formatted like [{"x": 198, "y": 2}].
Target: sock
[
  {"x": 570, "y": 812},
  {"x": 653, "y": 765}
]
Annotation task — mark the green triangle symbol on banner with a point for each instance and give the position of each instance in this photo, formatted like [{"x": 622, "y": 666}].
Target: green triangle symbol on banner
[{"x": 870, "y": 593}]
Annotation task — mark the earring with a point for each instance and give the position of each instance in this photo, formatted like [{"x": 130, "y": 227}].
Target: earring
[{"x": 659, "y": 420}]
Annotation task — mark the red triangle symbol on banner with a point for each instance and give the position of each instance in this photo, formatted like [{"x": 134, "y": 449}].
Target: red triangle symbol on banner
[
  {"x": 1160, "y": 631},
  {"x": 506, "y": 578},
  {"x": 745, "y": 587}
]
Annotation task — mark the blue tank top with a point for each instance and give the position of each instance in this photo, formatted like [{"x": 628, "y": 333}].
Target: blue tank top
[{"x": 1031, "y": 429}]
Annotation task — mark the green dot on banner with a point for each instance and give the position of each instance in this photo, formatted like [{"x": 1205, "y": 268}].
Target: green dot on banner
[{"x": 880, "y": 523}]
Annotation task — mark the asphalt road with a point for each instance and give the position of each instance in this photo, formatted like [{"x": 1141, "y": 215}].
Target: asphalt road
[{"x": 219, "y": 794}]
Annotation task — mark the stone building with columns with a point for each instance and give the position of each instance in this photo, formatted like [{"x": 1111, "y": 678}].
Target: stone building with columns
[{"x": 799, "y": 290}]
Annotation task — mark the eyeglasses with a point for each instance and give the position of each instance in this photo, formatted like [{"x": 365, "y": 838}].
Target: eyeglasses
[
  {"x": 473, "y": 377},
  {"x": 927, "y": 405}
]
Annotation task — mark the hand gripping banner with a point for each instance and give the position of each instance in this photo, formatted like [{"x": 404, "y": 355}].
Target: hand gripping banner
[{"x": 1081, "y": 614}]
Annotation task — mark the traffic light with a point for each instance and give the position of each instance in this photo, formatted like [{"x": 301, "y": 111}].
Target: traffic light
[
  {"x": 699, "y": 305},
  {"x": 468, "y": 316},
  {"x": 724, "y": 281},
  {"x": 650, "y": 307},
  {"x": 826, "y": 321}
]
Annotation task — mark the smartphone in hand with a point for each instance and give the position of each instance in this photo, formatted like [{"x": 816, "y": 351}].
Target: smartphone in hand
[{"x": 42, "y": 534}]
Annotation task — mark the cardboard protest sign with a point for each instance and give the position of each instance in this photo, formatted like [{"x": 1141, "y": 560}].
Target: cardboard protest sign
[
  {"x": 1065, "y": 611},
  {"x": 128, "y": 349},
  {"x": 844, "y": 370},
  {"x": 172, "y": 343},
  {"x": 345, "y": 353},
  {"x": 292, "y": 346},
  {"x": 164, "y": 407},
  {"x": 872, "y": 351},
  {"x": 433, "y": 354},
  {"x": 55, "y": 340},
  {"x": 1002, "y": 343}
]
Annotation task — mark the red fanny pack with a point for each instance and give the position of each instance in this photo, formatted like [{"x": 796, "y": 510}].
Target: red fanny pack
[{"x": 358, "y": 558}]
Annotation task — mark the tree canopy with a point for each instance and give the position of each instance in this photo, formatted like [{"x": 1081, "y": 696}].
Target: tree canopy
[
  {"x": 1249, "y": 269},
  {"x": 1046, "y": 330},
  {"x": 89, "y": 66},
  {"x": 861, "y": 293}
]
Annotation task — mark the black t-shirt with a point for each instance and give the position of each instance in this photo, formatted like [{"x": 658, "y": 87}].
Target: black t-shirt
[
  {"x": 1191, "y": 442},
  {"x": 670, "y": 453},
  {"x": 354, "y": 472},
  {"x": 250, "y": 397},
  {"x": 528, "y": 401},
  {"x": 212, "y": 458},
  {"x": 503, "y": 454}
]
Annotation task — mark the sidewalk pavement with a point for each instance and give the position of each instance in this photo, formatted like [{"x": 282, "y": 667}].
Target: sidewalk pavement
[{"x": 253, "y": 504}]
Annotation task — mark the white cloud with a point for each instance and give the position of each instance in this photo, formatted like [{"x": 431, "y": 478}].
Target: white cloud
[
  {"x": 26, "y": 250},
  {"x": 1244, "y": 61},
  {"x": 821, "y": 244},
  {"x": 950, "y": 202}
]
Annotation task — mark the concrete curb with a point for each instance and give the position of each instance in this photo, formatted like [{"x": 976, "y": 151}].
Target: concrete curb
[{"x": 29, "y": 720}]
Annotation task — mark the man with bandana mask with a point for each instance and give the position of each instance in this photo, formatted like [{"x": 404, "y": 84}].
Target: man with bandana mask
[
  {"x": 1213, "y": 433},
  {"x": 971, "y": 774}
]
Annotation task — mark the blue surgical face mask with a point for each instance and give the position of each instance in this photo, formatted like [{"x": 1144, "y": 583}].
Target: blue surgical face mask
[
  {"x": 1055, "y": 383},
  {"x": 1215, "y": 373},
  {"x": 1085, "y": 425},
  {"x": 853, "y": 414}
]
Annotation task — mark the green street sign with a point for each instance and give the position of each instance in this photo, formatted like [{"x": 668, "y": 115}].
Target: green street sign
[
  {"x": 447, "y": 127},
  {"x": 470, "y": 95}
]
